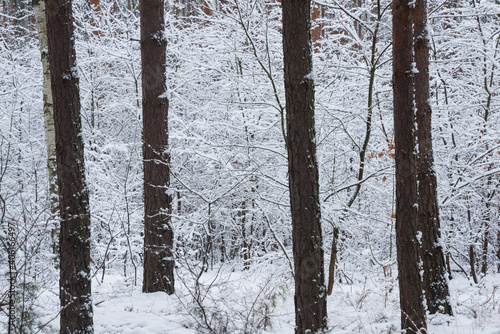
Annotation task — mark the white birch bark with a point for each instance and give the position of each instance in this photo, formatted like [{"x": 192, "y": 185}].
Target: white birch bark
[{"x": 48, "y": 114}]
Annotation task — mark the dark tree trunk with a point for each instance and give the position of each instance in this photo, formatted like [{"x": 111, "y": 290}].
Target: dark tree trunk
[
  {"x": 410, "y": 285},
  {"x": 310, "y": 293},
  {"x": 158, "y": 234},
  {"x": 74, "y": 237},
  {"x": 472, "y": 262},
  {"x": 486, "y": 227},
  {"x": 434, "y": 282}
]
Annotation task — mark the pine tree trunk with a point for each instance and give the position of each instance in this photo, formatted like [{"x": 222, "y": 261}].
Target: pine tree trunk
[
  {"x": 310, "y": 294},
  {"x": 75, "y": 287},
  {"x": 158, "y": 234},
  {"x": 410, "y": 284},
  {"x": 434, "y": 283},
  {"x": 48, "y": 116}
]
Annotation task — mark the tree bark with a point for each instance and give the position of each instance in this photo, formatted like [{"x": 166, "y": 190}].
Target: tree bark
[
  {"x": 48, "y": 116},
  {"x": 158, "y": 234},
  {"x": 472, "y": 263},
  {"x": 318, "y": 13},
  {"x": 434, "y": 282},
  {"x": 11, "y": 255},
  {"x": 310, "y": 293},
  {"x": 408, "y": 257},
  {"x": 75, "y": 287}
]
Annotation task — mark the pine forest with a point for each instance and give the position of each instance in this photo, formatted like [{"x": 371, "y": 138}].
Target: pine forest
[{"x": 249, "y": 166}]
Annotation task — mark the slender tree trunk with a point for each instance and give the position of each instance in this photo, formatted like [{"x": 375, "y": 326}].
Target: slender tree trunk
[
  {"x": 434, "y": 283},
  {"x": 243, "y": 219},
  {"x": 472, "y": 263},
  {"x": 486, "y": 237},
  {"x": 498, "y": 249},
  {"x": 11, "y": 255},
  {"x": 333, "y": 260},
  {"x": 410, "y": 283},
  {"x": 158, "y": 234},
  {"x": 310, "y": 293},
  {"x": 75, "y": 287},
  {"x": 48, "y": 116},
  {"x": 364, "y": 147}
]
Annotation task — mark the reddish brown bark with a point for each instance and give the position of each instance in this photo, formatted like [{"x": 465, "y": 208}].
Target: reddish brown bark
[
  {"x": 310, "y": 293},
  {"x": 75, "y": 287},
  {"x": 4, "y": 18},
  {"x": 434, "y": 282},
  {"x": 410, "y": 287},
  {"x": 357, "y": 25},
  {"x": 97, "y": 12},
  {"x": 158, "y": 234},
  {"x": 207, "y": 11},
  {"x": 318, "y": 12}
]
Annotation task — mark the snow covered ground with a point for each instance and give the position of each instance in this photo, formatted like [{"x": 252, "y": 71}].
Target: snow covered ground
[{"x": 227, "y": 301}]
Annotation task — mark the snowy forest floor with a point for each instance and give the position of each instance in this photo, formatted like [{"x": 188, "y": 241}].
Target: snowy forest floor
[{"x": 230, "y": 300}]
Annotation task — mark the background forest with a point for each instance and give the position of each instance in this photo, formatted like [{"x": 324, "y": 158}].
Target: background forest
[{"x": 229, "y": 183}]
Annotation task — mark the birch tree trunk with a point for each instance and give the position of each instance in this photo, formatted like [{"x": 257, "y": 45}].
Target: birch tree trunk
[
  {"x": 11, "y": 255},
  {"x": 48, "y": 116}
]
